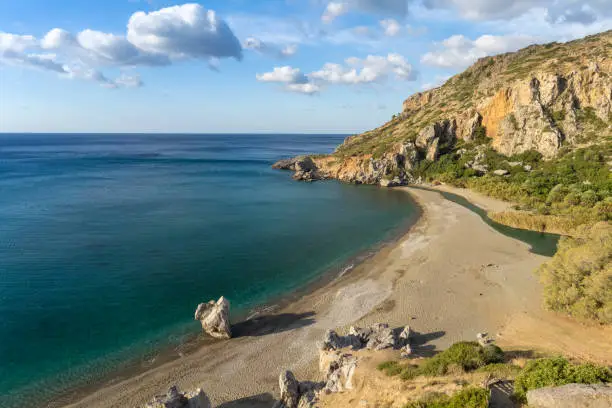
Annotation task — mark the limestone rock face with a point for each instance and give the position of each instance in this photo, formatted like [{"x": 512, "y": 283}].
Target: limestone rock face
[
  {"x": 571, "y": 396},
  {"x": 289, "y": 389},
  {"x": 432, "y": 137},
  {"x": 214, "y": 317},
  {"x": 339, "y": 369}
]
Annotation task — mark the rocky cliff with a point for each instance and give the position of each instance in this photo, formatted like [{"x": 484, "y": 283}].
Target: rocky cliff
[{"x": 541, "y": 99}]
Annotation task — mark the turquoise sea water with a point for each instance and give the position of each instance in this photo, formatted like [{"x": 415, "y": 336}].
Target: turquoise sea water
[{"x": 108, "y": 243}]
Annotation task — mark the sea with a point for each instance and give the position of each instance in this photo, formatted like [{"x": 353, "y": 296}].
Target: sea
[{"x": 108, "y": 242}]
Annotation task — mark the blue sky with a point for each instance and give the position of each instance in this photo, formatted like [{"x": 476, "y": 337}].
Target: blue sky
[{"x": 252, "y": 66}]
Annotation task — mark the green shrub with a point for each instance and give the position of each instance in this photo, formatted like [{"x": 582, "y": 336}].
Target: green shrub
[
  {"x": 578, "y": 279},
  {"x": 468, "y": 398},
  {"x": 409, "y": 372},
  {"x": 501, "y": 370},
  {"x": 558, "y": 116},
  {"x": 550, "y": 372},
  {"x": 391, "y": 368},
  {"x": 468, "y": 355}
]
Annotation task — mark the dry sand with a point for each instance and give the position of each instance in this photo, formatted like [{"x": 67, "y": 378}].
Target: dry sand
[{"x": 450, "y": 277}]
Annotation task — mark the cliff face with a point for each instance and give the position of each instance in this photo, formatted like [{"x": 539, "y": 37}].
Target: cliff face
[{"x": 541, "y": 98}]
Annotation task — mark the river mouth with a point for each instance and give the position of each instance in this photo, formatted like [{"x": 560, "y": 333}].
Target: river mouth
[{"x": 541, "y": 243}]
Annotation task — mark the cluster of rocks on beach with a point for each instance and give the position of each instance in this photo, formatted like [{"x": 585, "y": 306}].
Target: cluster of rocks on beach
[{"x": 338, "y": 362}]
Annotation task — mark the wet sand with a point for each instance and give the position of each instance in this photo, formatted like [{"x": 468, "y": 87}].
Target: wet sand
[{"x": 450, "y": 277}]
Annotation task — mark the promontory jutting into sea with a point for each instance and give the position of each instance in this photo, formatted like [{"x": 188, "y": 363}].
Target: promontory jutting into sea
[{"x": 298, "y": 204}]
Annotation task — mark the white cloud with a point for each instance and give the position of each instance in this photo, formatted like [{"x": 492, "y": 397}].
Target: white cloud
[
  {"x": 286, "y": 74},
  {"x": 16, "y": 43},
  {"x": 157, "y": 38},
  {"x": 336, "y": 8},
  {"x": 307, "y": 88},
  {"x": 459, "y": 51},
  {"x": 391, "y": 27},
  {"x": 187, "y": 31},
  {"x": 58, "y": 39},
  {"x": 271, "y": 50},
  {"x": 111, "y": 49},
  {"x": 371, "y": 69},
  {"x": 559, "y": 11},
  {"x": 292, "y": 78},
  {"x": 355, "y": 71}
]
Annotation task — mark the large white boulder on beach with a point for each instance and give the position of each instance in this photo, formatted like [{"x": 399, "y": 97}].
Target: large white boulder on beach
[{"x": 214, "y": 317}]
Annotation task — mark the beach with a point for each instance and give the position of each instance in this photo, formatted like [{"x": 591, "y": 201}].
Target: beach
[{"x": 450, "y": 277}]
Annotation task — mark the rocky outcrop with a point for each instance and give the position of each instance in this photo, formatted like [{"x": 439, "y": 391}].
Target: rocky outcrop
[
  {"x": 376, "y": 337},
  {"x": 214, "y": 317},
  {"x": 175, "y": 399},
  {"x": 571, "y": 396},
  {"x": 541, "y": 98},
  {"x": 433, "y": 137}
]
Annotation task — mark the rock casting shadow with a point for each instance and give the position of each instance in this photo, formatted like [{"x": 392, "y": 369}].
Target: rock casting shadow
[
  {"x": 418, "y": 342},
  {"x": 268, "y": 324},
  {"x": 256, "y": 401}
]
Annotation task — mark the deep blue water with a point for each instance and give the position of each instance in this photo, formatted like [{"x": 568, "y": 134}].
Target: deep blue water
[{"x": 108, "y": 242}]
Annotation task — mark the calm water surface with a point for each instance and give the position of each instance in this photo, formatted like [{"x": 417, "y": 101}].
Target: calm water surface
[{"x": 108, "y": 242}]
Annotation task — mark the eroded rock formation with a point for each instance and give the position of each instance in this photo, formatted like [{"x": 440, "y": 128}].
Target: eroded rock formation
[{"x": 214, "y": 317}]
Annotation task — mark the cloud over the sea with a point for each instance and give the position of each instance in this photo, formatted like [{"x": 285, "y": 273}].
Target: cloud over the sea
[{"x": 158, "y": 38}]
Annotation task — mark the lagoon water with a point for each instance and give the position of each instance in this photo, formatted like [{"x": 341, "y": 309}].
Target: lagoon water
[{"x": 108, "y": 243}]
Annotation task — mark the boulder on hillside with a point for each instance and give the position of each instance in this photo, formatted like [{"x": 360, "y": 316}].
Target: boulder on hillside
[
  {"x": 214, "y": 317},
  {"x": 571, "y": 396}
]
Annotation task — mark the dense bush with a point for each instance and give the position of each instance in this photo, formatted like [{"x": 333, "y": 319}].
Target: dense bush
[
  {"x": 467, "y": 398},
  {"x": 557, "y": 371},
  {"x": 464, "y": 356},
  {"x": 467, "y": 355},
  {"x": 578, "y": 279}
]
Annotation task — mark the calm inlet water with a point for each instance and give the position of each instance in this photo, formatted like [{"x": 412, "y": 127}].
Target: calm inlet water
[{"x": 108, "y": 242}]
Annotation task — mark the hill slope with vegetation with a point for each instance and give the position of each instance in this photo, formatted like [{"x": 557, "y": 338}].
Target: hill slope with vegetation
[{"x": 533, "y": 127}]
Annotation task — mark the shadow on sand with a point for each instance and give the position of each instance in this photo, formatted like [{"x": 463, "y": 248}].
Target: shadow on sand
[
  {"x": 268, "y": 324},
  {"x": 419, "y": 341},
  {"x": 256, "y": 401}
]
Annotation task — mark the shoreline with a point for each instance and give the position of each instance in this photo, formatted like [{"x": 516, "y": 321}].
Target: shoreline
[
  {"x": 447, "y": 287},
  {"x": 244, "y": 321}
]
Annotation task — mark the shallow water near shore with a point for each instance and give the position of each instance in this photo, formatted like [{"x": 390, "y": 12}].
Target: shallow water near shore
[{"x": 108, "y": 242}]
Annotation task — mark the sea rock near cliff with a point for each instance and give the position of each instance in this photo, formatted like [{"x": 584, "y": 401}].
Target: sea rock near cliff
[
  {"x": 571, "y": 396},
  {"x": 214, "y": 317}
]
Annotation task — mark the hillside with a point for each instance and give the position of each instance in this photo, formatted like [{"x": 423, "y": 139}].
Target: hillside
[{"x": 533, "y": 127}]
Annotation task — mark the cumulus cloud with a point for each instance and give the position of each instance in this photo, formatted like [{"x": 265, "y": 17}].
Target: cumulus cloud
[
  {"x": 371, "y": 69},
  {"x": 292, "y": 78},
  {"x": 286, "y": 74},
  {"x": 354, "y": 71},
  {"x": 391, "y": 27},
  {"x": 336, "y": 8},
  {"x": 459, "y": 51},
  {"x": 187, "y": 31},
  {"x": 271, "y": 50},
  {"x": 157, "y": 38}
]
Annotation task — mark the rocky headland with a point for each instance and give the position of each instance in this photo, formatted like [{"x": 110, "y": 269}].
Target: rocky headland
[{"x": 541, "y": 99}]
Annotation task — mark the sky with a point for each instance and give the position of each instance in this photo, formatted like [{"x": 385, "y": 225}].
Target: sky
[{"x": 246, "y": 66}]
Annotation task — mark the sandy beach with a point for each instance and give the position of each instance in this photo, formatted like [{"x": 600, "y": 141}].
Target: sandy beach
[{"x": 450, "y": 277}]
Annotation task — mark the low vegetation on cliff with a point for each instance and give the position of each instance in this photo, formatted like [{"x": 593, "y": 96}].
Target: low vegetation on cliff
[{"x": 475, "y": 366}]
